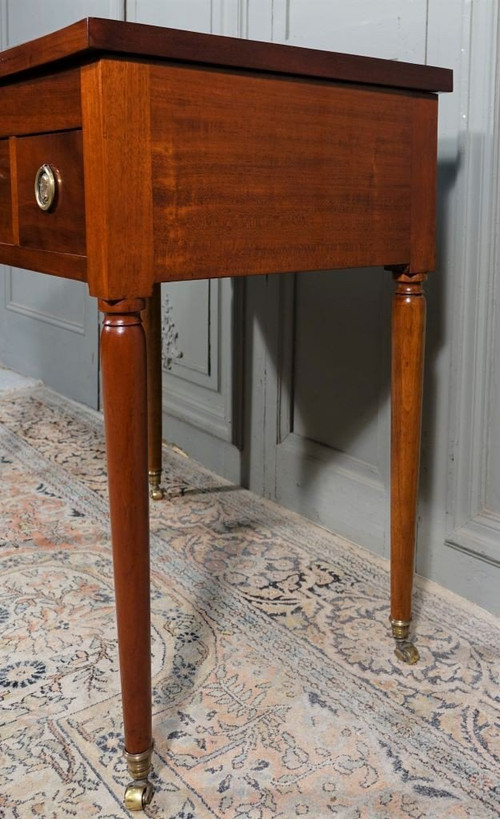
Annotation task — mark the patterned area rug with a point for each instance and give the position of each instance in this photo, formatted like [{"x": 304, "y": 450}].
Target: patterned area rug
[{"x": 276, "y": 691}]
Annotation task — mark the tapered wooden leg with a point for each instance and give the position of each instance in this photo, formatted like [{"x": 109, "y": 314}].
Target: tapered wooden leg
[
  {"x": 123, "y": 366},
  {"x": 152, "y": 326},
  {"x": 408, "y": 331}
]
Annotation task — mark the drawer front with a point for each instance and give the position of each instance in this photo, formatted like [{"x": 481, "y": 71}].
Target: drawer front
[
  {"x": 61, "y": 228},
  {"x": 6, "y": 233}
]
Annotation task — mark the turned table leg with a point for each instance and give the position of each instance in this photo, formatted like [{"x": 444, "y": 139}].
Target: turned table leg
[
  {"x": 408, "y": 329},
  {"x": 123, "y": 365},
  {"x": 152, "y": 326}
]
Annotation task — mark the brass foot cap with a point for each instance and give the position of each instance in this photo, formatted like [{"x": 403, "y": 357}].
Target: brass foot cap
[
  {"x": 406, "y": 652},
  {"x": 139, "y": 765},
  {"x": 138, "y": 795},
  {"x": 157, "y": 493}
]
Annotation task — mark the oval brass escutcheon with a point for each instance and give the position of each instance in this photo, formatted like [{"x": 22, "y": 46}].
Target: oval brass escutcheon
[{"x": 45, "y": 187}]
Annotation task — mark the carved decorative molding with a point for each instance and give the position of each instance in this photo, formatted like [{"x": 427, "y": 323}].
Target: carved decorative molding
[
  {"x": 169, "y": 334},
  {"x": 210, "y": 402}
]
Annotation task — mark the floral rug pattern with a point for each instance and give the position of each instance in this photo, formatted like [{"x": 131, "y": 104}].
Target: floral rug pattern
[{"x": 276, "y": 691}]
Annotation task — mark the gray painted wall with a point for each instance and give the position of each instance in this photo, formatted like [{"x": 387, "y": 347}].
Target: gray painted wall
[{"x": 283, "y": 383}]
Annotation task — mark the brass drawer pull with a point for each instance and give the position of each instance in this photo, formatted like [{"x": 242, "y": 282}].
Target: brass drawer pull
[{"x": 45, "y": 187}]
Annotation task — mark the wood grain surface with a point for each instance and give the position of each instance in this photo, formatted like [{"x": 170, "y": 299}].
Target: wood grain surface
[
  {"x": 424, "y": 184},
  {"x": 151, "y": 318},
  {"x": 6, "y": 232},
  {"x": 41, "y": 104},
  {"x": 62, "y": 228},
  {"x": 260, "y": 175},
  {"x": 100, "y": 36},
  {"x": 408, "y": 339},
  {"x": 123, "y": 367},
  {"x": 118, "y": 197},
  {"x": 67, "y": 265}
]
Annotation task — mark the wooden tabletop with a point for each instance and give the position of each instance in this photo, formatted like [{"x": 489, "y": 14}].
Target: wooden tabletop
[{"x": 93, "y": 37}]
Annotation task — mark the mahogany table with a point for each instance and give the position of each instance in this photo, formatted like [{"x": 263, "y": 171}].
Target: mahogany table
[{"x": 131, "y": 155}]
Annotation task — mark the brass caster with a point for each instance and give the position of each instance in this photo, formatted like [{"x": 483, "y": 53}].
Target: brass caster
[
  {"x": 138, "y": 794},
  {"x": 155, "y": 489},
  {"x": 406, "y": 652},
  {"x": 157, "y": 493}
]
